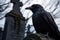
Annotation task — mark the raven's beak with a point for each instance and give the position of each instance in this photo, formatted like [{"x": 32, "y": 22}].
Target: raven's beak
[{"x": 28, "y": 8}]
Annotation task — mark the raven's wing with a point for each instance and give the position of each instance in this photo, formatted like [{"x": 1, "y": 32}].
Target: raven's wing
[
  {"x": 49, "y": 19},
  {"x": 54, "y": 29}
]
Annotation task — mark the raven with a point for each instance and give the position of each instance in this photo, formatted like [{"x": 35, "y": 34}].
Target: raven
[{"x": 43, "y": 22}]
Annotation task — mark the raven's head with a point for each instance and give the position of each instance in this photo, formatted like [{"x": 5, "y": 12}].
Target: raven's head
[{"x": 35, "y": 7}]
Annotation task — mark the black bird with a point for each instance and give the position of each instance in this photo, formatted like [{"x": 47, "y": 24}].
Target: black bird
[{"x": 44, "y": 22}]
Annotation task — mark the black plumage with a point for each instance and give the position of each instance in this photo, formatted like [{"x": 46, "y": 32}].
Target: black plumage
[{"x": 44, "y": 22}]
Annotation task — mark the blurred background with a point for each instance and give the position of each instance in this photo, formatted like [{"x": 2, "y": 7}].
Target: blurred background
[{"x": 52, "y": 6}]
